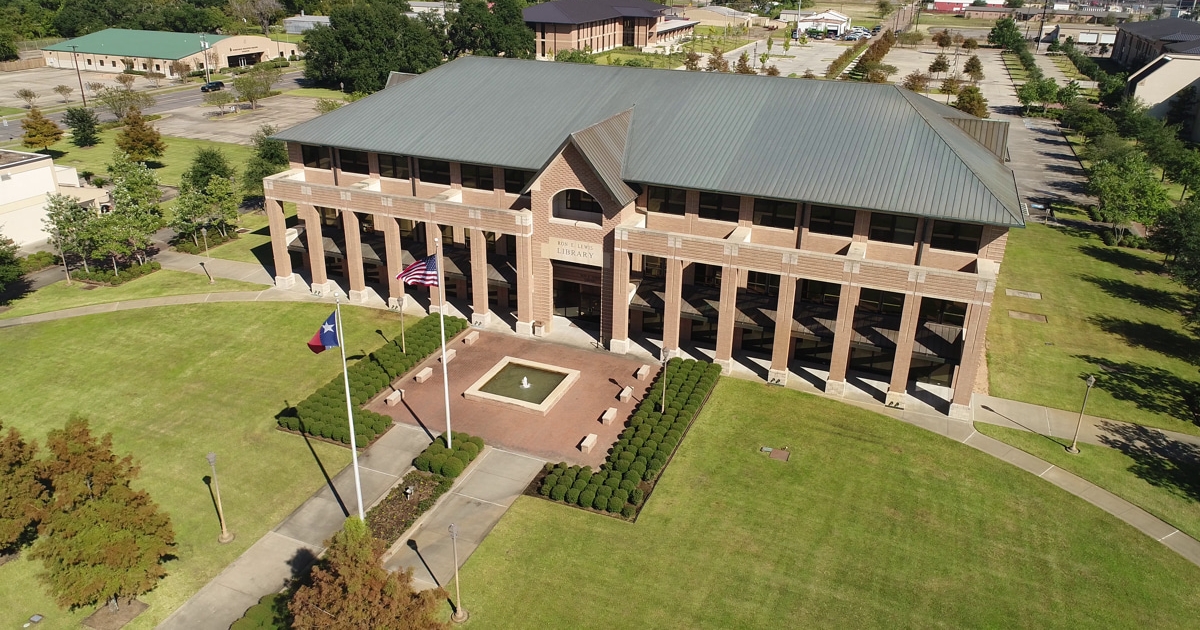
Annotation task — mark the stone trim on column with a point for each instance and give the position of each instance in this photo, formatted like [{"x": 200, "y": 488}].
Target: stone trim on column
[
  {"x": 394, "y": 250},
  {"x": 835, "y": 385},
  {"x": 284, "y": 278},
  {"x": 672, "y": 308},
  {"x": 481, "y": 315},
  {"x": 968, "y": 365},
  {"x": 432, "y": 231},
  {"x": 524, "y": 285},
  {"x": 619, "y": 337},
  {"x": 354, "y": 260},
  {"x": 316, "y": 248},
  {"x": 781, "y": 347},
  {"x": 905, "y": 339},
  {"x": 725, "y": 319}
]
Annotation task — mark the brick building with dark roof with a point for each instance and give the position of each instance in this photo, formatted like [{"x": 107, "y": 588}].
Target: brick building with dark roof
[
  {"x": 600, "y": 25},
  {"x": 1138, "y": 43}
]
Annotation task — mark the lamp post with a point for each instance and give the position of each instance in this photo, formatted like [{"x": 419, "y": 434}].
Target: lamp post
[
  {"x": 1074, "y": 447},
  {"x": 75, "y": 62},
  {"x": 204, "y": 54},
  {"x": 204, "y": 233},
  {"x": 460, "y": 613},
  {"x": 225, "y": 535}
]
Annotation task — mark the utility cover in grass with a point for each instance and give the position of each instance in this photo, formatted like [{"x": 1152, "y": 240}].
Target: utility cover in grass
[
  {"x": 1032, "y": 317},
  {"x": 1032, "y": 295}
]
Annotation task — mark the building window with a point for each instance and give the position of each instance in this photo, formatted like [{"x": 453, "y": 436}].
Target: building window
[
  {"x": 89, "y": 62},
  {"x": 720, "y": 207},
  {"x": 393, "y": 166},
  {"x": 778, "y": 214},
  {"x": 581, "y": 201},
  {"x": 515, "y": 180},
  {"x": 476, "y": 176},
  {"x": 654, "y": 267},
  {"x": 354, "y": 161},
  {"x": 819, "y": 292},
  {"x": 329, "y": 216},
  {"x": 314, "y": 156},
  {"x": 883, "y": 302},
  {"x": 706, "y": 275},
  {"x": 835, "y": 221},
  {"x": 957, "y": 237},
  {"x": 577, "y": 205},
  {"x": 891, "y": 228},
  {"x": 157, "y": 68},
  {"x": 143, "y": 66},
  {"x": 943, "y": 311},
  {"x": 666, "y": 200},
  {"x": 434, "y": 171},
  {"x": 762, "y": 283}
]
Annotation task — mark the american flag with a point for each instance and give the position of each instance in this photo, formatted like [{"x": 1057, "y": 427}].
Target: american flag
[{"x": 424, "y": 271}]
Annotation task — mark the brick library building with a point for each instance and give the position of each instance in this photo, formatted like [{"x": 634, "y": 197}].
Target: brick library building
[{"x": 823, "y": 226}]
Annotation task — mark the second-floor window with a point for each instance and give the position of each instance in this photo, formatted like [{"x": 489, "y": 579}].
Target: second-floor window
[
  {"x": 819, "y": 292},
  {"x": 765, "y": 283},
  {"x": 434, "y": 171},
  {"x": 581, "y": 202},
  {"x": 943, "y": 311},
  {"x": 515, "y": 180},
  {"x": 771, "y": 213},
  {"x": 654, "y": 267},
  {"x": 884, "y": 302},
  {"x": 393, "y": 166},
  {"x": 354, "y": 161},
  {"x": 835, "y": 221},
  {"x": 706, "y": 275},
  {"x": 892, "y": 228},
  {"x": 720, "y": 207},
  {"x": 957, "y": 237},
  {"x": 476, "y": 176},
  {"x": 666, "y": 200},
  {"x": 315, "y": 156}
]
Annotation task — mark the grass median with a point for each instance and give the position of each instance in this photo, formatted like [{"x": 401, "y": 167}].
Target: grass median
[
  {"x": 872, "y": 523},
  {"x": 162, "y": 283}
]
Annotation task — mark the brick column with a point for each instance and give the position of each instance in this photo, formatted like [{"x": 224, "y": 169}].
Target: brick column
[
  {"x": 847, "y": 303},
  {"x": 781, "y": 348},
  {"x": 284, "y": 278},
  {"x": 354, "y": 261},
  {"x": 480, "y": 315},
  {"x": 316, "y": 249},
  {"x": 968, "y": 365},
  {"x": 524, "y": 285},
  {"x": 619, "y": 337},
  {"x": 395, "y": 260},
  {"x": 435, "y": 293},
  {"x": 672, "y": 303},
  {"x": 904, "y": 347},
  {"x": 725, "y": 317}
]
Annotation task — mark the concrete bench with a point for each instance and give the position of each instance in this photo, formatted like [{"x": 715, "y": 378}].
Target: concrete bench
[
  {"x": 609, "y": 415},
  {"x": 450, "y": 354},
  {"x": 587, "y": 443},
  {"x": 394, "y": 398},
  {"x": 424, "y": 375},
  {"x": 626, "y": 394},
  {"x": 471, "y": 338},
  {"x": 643, "y": 372}
]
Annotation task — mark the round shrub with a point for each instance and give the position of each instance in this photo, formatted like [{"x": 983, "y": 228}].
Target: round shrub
[
  {"x": 436, "y": 462},
  {"x": 422, "y": 463},
  {"x": 628, "y": 484},
  {"x": 573, "y": 496},
  {"x": 646, "y": 451},
  {"x": 657, "y": 462},
  {"x": 545, "y": 488},
  {"x": 600, "y": 503},
  {"x": 614, "y": 505},
  {"x": 628, "y": 511},
  {"x": 637, "y": 496},
  {"x": 436, "y": 448},
  {"x": 470, "y": 449},
  {"x": 629, "y": 455},
  {"x": 621, "y": 495},
  {"x": 629, "y": 433},
  {"x": 586, "y": 497},
  {"x": 462, "y": 457},
  {"x": 453, "y": 467},
  {"x": 604, "y": 491},
  {"x": 613, "y": 482},
  {"x": 559, "y": 492},
  {"x": 637, "y": 442},
  {"x": 550, "y": 480},
  {"x": 572, "y": 472},
  {"x": 585, "y": 474},
  {"x": 649, "y": 474},
  {"x": 477, "y": 441},
  {"x": 579, "y": 484},
  {"x": 622, "y": 465}
]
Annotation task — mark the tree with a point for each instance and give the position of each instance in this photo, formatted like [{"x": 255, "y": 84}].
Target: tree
[
  {"x": 1184, "y": 168},
  {"x": 743, "y": 64},
  {"x": 1087, "y": 120},
  {"x": 1177, "y": 236},
  {"x": 1006, "y": 35},
  {"x": 951, "y": 85},
  {"x": 84, "y": 126},
  {"x": 10, "y": 272},
  {"x": 510, "y": 35},
  {"x": 364, "y": 42},
  {"x": 1182, "y": 110},
  {"x": 64, "y": 91},
  {"x": 1014, "y": 4},
  {"x": 1067, "y": 94},
  {"x": 979, "y": 3},
  {"x": 69, "y": 226},
  {"x": 125, "y": 81},
  {"x": 943, "y": 39},
  {"x": 772, "y": 70},
  {"x": 22, "y": 496},
  {"x": 884, "y": 8},
  {"x": 877, "y": 71},
  {"x": 717, "y": 61},
  {"x": 971, "y": 100},
  {"x": 155, "y": 78},
  {"x": 1127, "y": 190},
  {"x": 691, "y": 61},
  {"x": 119, "y": 101},
  {"x": 270, "y": 157},
  {"x": 770, "y": 43},
  {"x": 180, "y": 69},
  {"x": 206, "y": 164},
  {"x": 468, "y": 30},
  {"x": 39, "y": 130},
  {"x": 138, "y": 139},
  {"x": 350, "y": 589},
  {"x": 260, "y": 12},
  {"x": 326, "y": 105},
  {"x": 916, "y": 81},
  {"x": 571, "y": 55},
  {"x": 974, "y": 68},
  {"x": 218, "y": 99},
  {"x": 100, "y": 540},
  {"x": 939, "y": 64},
  {"x": 256, "y": 84},
  {"x": 8, "y": 46},
  {"x": 970, "y": 44},
  {"x": 787, "y": 44},
  {"x": 910, "y": 38},
  {"x": 29, "y": 96}
]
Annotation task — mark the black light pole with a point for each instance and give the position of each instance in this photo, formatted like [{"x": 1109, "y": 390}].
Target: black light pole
[
  {"x": 75, "y": 61},
  {"x": 1074, "y": 447}
]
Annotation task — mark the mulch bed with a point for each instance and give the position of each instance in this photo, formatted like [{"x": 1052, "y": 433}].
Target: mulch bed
[
  {"x": 108, "y": 619},
  {"x": 395, "y": 514}
]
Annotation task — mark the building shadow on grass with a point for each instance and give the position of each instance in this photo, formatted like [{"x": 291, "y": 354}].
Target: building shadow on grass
[
  {"x": 1149, "y": 297},
  {"x": 1150, "y": 336},
  {"x": 1122, "y": 258},
  {"x": 1077, "y": 229},
  {"x": 1150, "y": 388},
  {"x": 1157, "y": 459}
]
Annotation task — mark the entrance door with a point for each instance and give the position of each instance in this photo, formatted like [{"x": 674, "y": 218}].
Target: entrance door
[{"x": 577, "y": 292}]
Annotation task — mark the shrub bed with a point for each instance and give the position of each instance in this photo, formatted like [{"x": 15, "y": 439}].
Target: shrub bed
[
  {"x": 396, "y": 513},
  {"x": 651, "y": 436},
  {"x": 38, "y": 261},
  {"x": 838, "y": 65},
  {"x": 100, "y": 276},
  {"x": 323, "y": 413},
  {"x": 449, "y": 463},
  {"x": 186, "y": 245}
]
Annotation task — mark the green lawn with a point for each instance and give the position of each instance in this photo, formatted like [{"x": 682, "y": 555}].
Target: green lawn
[
  {"x": 12, "y": 111},
  {"x": 253, "y": 246},
  {"x": 174, "y": 162},
  {"x": 173, "y": 384},
  {"x": 872, "y": 524},
  {"x": 59, "y": 295},
  {"x": 937, "y": 21},
  {"x": 1106, "y": 308},
  {"x": 1159, "y": 486}
]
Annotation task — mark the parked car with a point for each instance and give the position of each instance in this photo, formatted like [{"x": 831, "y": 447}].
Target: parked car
[
  {"x": 878, "y": 27},
  {"x": 212, "y": 86},
  {"x": 853, "y": 37}
]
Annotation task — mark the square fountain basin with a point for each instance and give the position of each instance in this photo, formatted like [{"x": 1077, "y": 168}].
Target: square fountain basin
[{"x": 502, "y": 385}]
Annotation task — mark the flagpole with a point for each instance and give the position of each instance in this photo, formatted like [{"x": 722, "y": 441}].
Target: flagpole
[
  {"x": 349, "y": 409},
  {"x": 437, "y": 242}
]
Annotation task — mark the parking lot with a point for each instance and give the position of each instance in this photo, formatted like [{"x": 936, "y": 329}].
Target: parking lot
[
  {"x": 815, "y": 56},
  {"x": 43, "y": 81}
]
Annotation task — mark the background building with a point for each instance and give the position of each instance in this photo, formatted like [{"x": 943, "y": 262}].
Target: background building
[
  {"x": 26, "y": 179},
  {"x": 115, "y": 49},
  {"x": 1138, "y": 43},
  {"x": 600, "y": 25}
]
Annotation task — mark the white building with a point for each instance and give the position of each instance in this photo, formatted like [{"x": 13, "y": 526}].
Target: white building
[
  {"x": 829, "y": 22},
  {"x": 26, "y": 180}
]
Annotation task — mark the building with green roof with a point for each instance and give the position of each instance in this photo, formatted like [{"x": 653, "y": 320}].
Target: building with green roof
[{"x": 118, "y": 49}]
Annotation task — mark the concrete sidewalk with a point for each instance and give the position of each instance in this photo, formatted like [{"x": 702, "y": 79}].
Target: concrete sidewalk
[{"x": 1061, "y": 424}]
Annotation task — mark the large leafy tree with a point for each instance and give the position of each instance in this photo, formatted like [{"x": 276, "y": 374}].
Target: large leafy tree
[
  {"x": 971, "y": 101},
  {"x": 350, "y": 589},
  {"x": 10, "y": 272},
  {"x": 270, "y": 157},
  {"x": 1005, "y": 34},
  {"x": 40, "y": 132},
  {"x": 138, "y": 139},
  {"x": 261, "y": 12},
  {"x": 256, "y": 84},
  {"x": 22, "y": 495},
  {"x": 100, "y": 540},
  {"x": 469, "y": 30},
  {"x": 206, "y": 164},
  {"x": 511, "y": 37},
  {"x": 1127, "y": 190},
  {"x": 8, "y": 47},
  {"x": 366, "y": 41},
  {"x": 135, "y": 216},
  {"x": 69, "y": 225},
  {"x": 84, "y": 126}
]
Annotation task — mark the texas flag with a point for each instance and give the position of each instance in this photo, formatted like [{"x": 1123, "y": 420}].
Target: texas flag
[{"x": 326, "y": 337}]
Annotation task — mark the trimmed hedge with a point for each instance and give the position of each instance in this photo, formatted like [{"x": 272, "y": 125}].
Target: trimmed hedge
[
  {"x": 132, "y": 272},
  {"x": 644, "y": 447},
  {"x": 323, "y": 413},
  {"x": 439, "y": 460},
  {"x": 838, "y": 65}
]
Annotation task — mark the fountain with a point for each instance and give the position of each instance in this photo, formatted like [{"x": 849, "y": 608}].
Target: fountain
[{"x": 524, "y": 385}]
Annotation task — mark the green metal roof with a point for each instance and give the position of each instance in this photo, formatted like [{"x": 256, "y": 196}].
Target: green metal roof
[
  {"x": 120, "y": 42},
  {"x": 858, "y": 145}
]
